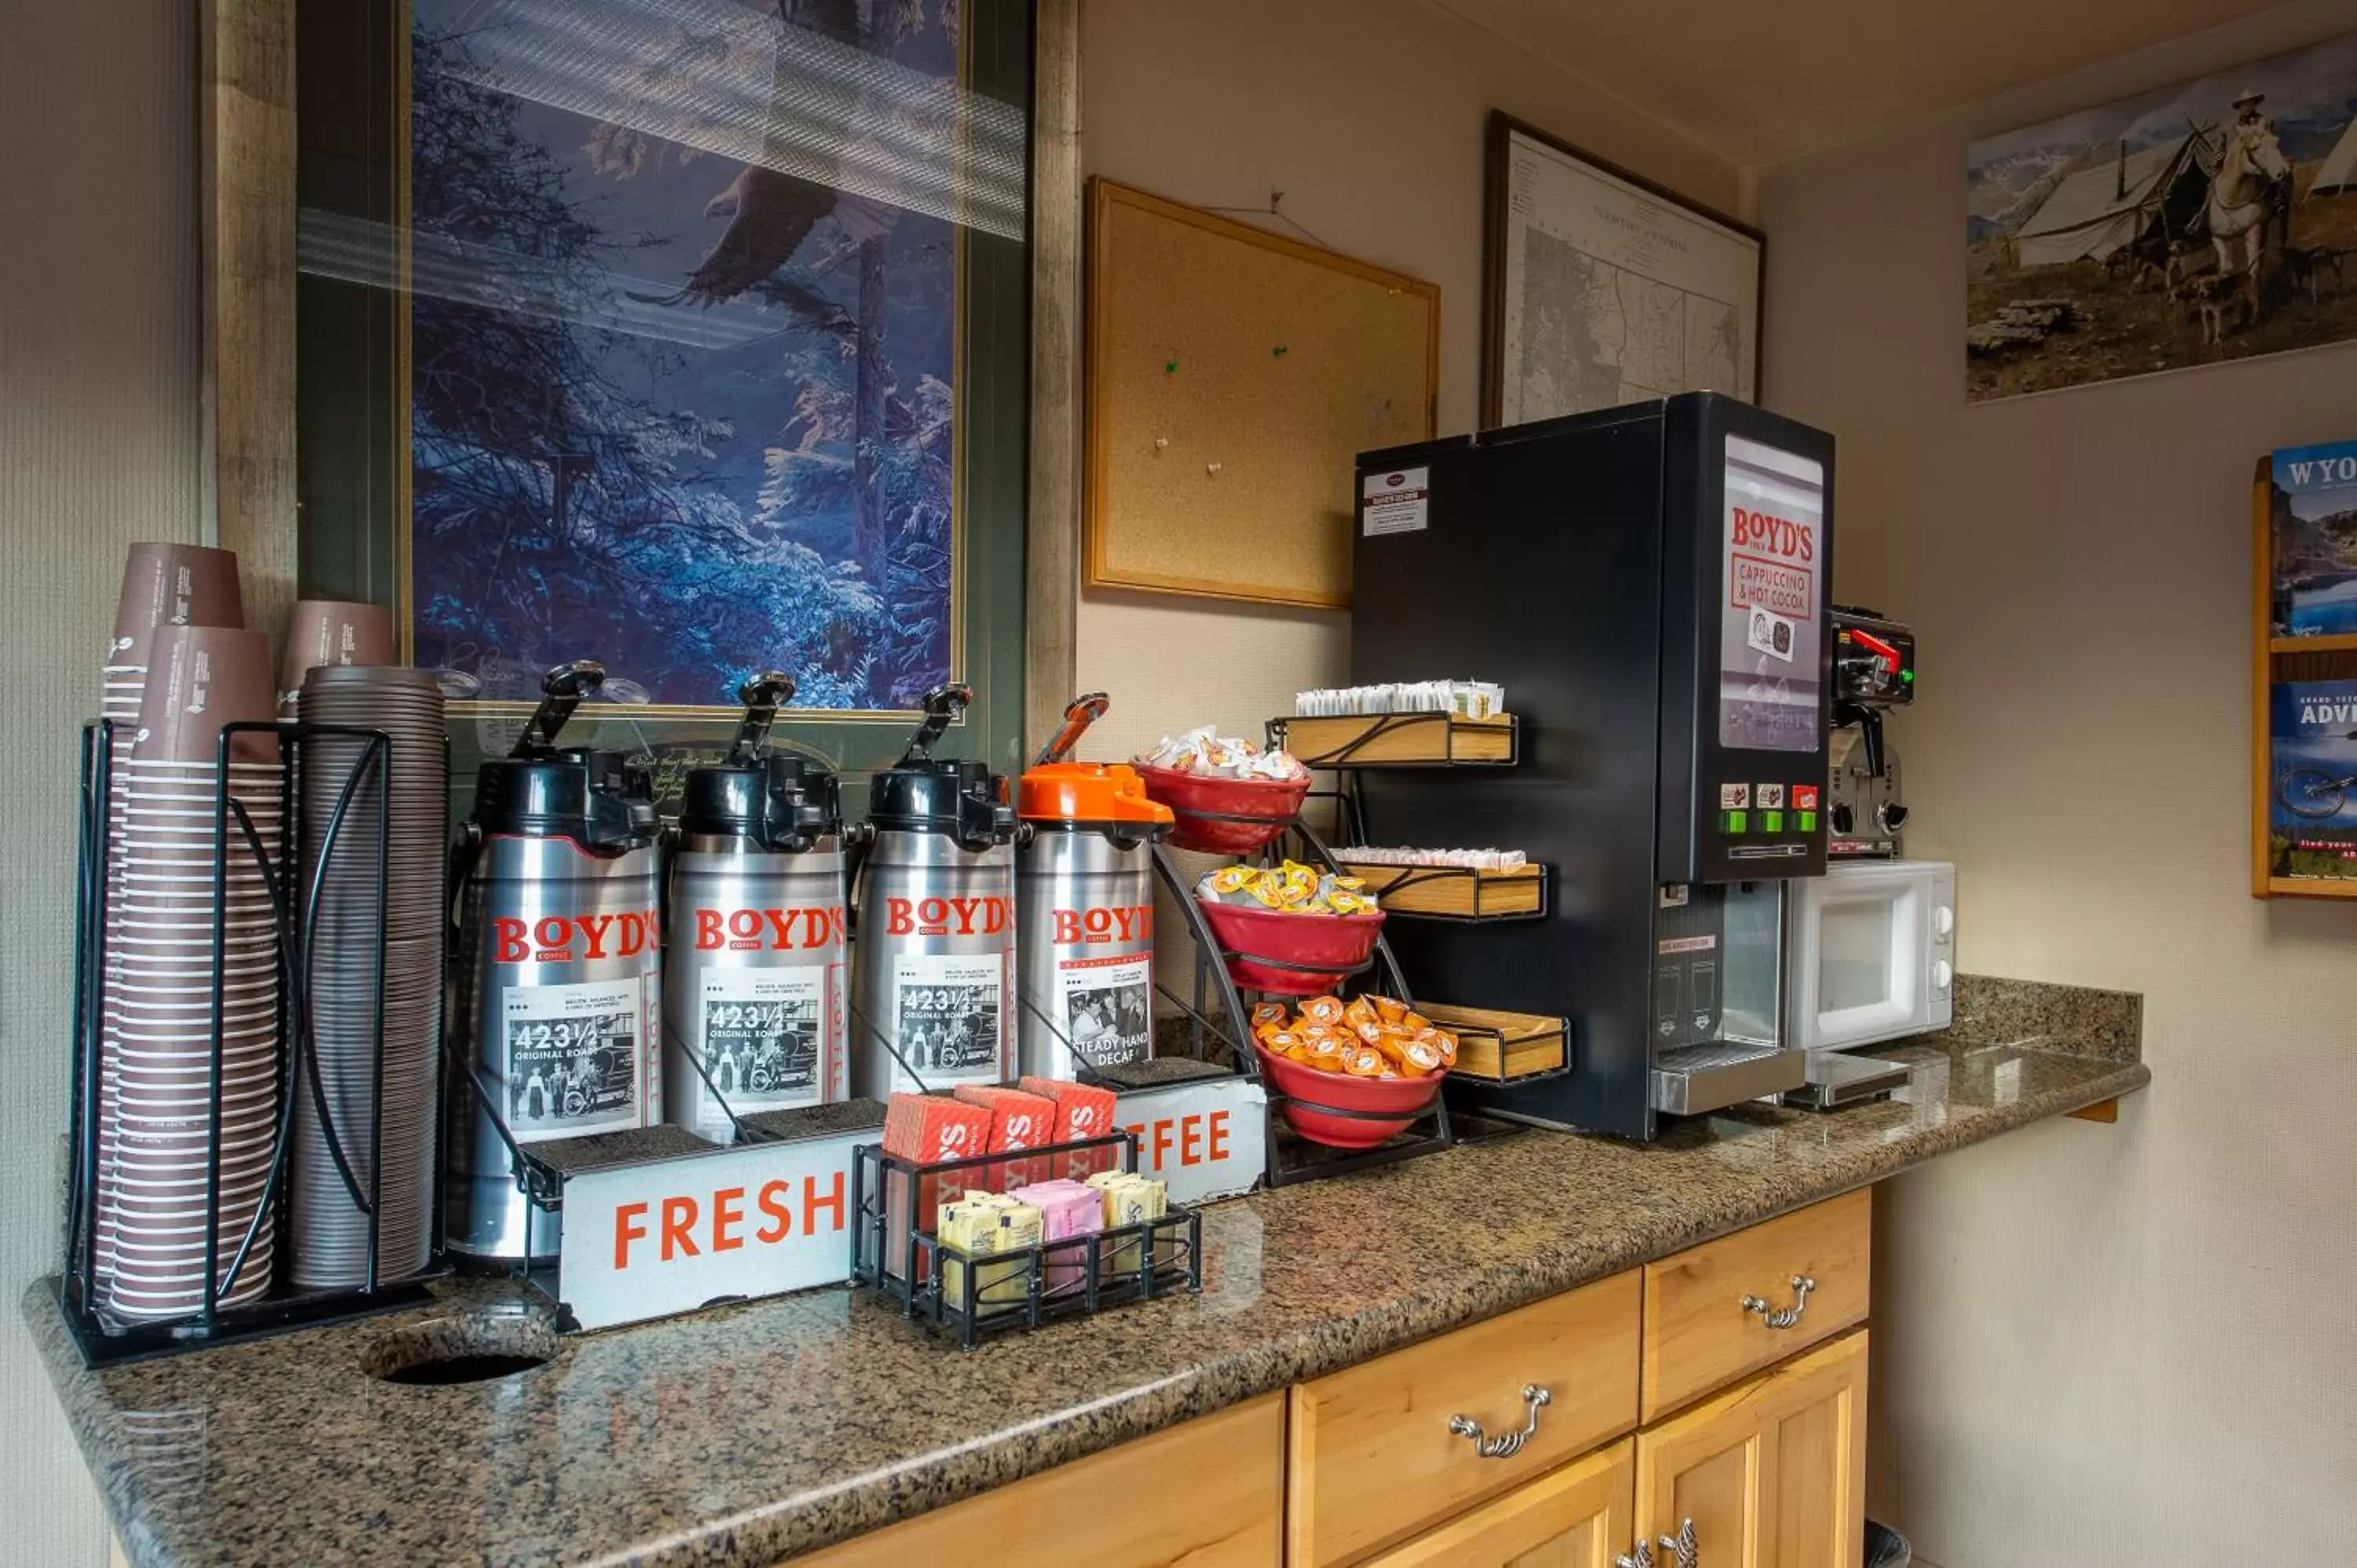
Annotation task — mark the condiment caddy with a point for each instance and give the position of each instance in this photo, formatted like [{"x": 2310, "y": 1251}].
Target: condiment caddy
[{"x": 1016, "y": 1235}]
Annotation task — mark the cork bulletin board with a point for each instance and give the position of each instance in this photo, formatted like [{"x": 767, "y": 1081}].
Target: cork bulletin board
[{"x": 1233, "y": 375}]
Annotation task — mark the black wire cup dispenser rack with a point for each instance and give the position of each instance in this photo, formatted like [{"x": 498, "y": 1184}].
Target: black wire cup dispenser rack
[
  {"x": 969, "y": 1295},
  {"x": 241, "y": 1286}
]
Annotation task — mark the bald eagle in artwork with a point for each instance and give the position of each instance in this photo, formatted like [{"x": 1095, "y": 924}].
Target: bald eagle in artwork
[{"x": 770, "y": 212}]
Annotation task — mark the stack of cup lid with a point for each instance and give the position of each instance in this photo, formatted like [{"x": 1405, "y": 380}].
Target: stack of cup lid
[
  {"x": 163, "y": 585},
  {"x": 385, "y": 1140},
  {"x": 331, "y": 632},
  {"x": 172, "y": 1183}
]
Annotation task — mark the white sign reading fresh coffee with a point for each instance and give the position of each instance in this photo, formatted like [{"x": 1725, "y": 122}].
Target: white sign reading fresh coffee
[{"x": 669, "y": 1235}]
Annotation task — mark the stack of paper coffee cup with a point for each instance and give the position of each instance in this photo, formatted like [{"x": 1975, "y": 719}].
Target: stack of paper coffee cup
[
  {"x": 185, "y": 1162},
  {"x": 163, "y": 585}
]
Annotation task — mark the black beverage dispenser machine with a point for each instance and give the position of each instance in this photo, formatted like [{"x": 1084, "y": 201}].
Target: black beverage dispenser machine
[{"x": 1648, "y": 585}]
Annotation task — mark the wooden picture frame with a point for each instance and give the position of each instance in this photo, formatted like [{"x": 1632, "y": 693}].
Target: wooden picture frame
[
  {"x": 246, "y": 68},
  {"x": 1219, "y": 416},
  {"x": 247, "y": 174},
  {"x": 1497, "y": 196}
]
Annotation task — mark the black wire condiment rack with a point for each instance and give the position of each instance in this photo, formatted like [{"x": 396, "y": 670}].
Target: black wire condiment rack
[{"x": 897, "y": 1251}]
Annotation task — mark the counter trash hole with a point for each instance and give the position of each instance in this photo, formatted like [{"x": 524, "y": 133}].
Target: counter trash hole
[{"x": 469, "y": 1347}]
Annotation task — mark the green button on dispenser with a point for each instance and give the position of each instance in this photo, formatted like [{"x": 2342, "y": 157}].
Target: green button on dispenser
[
  {"x": 1808, "y": 821},
  {"x": 1771, "y": 821},
  {"x": 1738, "y": 821}
]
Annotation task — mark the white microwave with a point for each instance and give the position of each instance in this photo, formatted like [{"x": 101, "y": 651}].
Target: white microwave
[{"x": 1869, "y": 953}]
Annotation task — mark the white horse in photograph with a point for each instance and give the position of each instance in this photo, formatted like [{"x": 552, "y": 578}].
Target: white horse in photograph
[{"x": 2242, "y": 195}]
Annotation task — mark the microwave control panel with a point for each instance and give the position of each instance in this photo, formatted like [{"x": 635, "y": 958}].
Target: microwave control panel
[{"x": 1941, "y": 947}]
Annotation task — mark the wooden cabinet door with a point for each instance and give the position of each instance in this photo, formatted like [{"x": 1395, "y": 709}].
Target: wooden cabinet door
[
  {"x": 1771, "y": 1473},
  {"x": 1581, "y": 1515}
]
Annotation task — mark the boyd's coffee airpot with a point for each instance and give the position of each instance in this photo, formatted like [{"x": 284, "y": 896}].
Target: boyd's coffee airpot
[
  {"x": 556, "y": 966},
  {"x": 755, "y": 995}
]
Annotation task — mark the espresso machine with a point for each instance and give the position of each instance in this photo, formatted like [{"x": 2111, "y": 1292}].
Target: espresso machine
[
  {"x": 1874, "y": 672},
  {"x": 1648, "y": 585}
]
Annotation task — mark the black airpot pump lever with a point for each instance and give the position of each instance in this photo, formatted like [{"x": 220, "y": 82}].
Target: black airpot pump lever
[
  {"x": 762, "y": 695},
  {"x": 943, "y": 705},
  {"x": 562, "y": 690}
]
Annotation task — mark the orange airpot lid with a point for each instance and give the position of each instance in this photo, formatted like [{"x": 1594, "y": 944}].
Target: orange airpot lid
[{"x": 1087, "y": 793}]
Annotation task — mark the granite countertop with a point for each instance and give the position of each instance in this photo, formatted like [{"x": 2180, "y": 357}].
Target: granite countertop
[{"x": 744, "y": 1434}]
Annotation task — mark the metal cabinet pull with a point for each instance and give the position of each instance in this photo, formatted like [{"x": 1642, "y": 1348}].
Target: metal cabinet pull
[
  {"x": 1506, "y": 1444},
  {"x": 1783, "y": 1317},
  {"x": 1689, "y": 1555},
  {"x": 1640, "y": 1558}
]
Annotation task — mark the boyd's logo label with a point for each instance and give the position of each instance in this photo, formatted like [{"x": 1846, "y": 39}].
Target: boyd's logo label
[
  {"x": 1106, "y": 923},
  {"x": 568, "y": 939},
  {"x": 770, "y": 930},
  {"x": 947, "y": 916},
  {"x": 1776, "y": 535}
]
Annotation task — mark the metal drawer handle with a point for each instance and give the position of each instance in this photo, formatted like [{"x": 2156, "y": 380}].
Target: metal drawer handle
[
  {"x": 1640, "y": 1558},
  {"x": 1506, "y": 1444},
  {"x": 1689, "y": 1555},
  {"x": 1783, "y": 1317}
]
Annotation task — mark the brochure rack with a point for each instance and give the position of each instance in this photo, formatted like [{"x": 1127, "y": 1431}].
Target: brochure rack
[{"x": 2303, "y": 826}]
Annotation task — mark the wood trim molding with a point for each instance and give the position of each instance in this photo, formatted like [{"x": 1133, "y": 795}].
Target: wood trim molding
[
  {"x": 247, "y": 66},
  {"x": 1052, "y": 587}
]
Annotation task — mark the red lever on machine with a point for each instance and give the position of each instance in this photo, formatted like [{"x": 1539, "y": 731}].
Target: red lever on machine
[{"x": 1889, "y": 654}]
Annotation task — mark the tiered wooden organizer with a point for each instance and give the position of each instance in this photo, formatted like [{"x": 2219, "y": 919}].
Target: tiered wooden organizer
[
  {"x": 2274, "y": 658},
  {"x": 1493, "y": 1045}
]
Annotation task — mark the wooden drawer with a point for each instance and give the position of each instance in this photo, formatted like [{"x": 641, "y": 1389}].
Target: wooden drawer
[
  {"x": 1581, "y": 1515},
  {"x": 1699, "y": 1334},
  {"x": 1206, "y": 1495},
  {"x": 1373, "y": 1460}
]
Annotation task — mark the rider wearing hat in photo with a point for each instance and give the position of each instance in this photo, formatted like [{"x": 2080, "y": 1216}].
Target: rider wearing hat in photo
[{"x": 2246, "y": 114}]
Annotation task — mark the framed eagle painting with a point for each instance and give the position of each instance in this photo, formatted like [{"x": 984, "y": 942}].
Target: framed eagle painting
[{"x": 682, "y": 335}]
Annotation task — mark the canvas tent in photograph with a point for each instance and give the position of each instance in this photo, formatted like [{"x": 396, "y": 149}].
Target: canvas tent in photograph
[
  {"x": 2339, "y": 173},
  {"x": 2114, "y": 202}
]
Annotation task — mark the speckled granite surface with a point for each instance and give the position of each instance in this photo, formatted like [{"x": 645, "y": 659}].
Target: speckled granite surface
[
  {"x": 2077, "y": 1019},
  {"x": 742, "y": 1435}
]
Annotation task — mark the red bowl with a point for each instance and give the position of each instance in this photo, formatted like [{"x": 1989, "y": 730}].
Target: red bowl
[
  {"x": 1408, "y": 1097},
  {"x": 1270, "y": 801},
  {"x": 1329, "y": 946}
]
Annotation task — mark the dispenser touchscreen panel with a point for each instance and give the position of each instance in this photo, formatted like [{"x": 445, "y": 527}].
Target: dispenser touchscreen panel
[{"x": 1769, "y": 623}]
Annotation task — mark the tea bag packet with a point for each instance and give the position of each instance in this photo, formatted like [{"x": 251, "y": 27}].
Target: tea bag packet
[{"x": 1464, "y": 699}]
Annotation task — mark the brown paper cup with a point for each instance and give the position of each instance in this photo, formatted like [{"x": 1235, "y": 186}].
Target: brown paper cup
[
  {"x": 331, "y": 632},
  {"x": 173, "y": 584},
  {"x": 201, "y": 678}
]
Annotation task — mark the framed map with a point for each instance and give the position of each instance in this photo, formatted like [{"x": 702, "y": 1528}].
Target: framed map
[{"x": 1601, "y": 288}]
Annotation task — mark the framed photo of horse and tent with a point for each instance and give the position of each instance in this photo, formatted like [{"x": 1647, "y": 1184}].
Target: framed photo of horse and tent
[{"x": 2213, "y": 219}]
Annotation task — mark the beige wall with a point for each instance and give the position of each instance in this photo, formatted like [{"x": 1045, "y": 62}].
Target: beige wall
[
  {"x": 98, "y": 446},
  {"x": 1368, "y": 115},
  {"x": 2102, "y": 1346}
]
